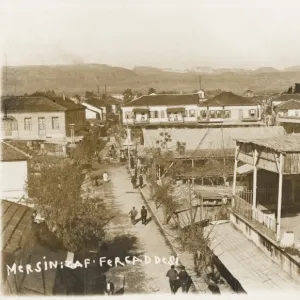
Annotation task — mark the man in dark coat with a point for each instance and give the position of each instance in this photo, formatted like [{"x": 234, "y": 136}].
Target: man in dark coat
[
  {"x": 141, "y": 180},
  {"x": 144, "y": 214},
  {"x": 172, "y": 274},
  {"x": 133, "y": 181},
  {"x": 184, "y": 279}
]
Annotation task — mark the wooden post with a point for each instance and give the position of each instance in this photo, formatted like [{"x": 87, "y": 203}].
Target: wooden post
[
  {"x": 193, "y": 163},
  {"x": 235, "y": 170},
  {"x": 254, "y": 188},
  {"x": 279, "y": 197}
]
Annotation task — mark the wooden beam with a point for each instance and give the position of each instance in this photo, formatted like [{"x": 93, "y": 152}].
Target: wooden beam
[
  {"x": 235, "y": 170},
  {"x": 293, "y": 190},
  {"x": 277, "y": 160},
  {"x": 279, "y": 202}
]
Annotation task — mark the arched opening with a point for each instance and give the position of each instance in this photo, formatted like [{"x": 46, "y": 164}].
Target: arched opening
[{"x": 8, "y": 125}]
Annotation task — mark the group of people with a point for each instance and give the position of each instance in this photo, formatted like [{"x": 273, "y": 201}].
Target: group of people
[
  {"x": 133, "y": 213},
  {"x": 176, "y": 280},
  {"x": 134, "y": 181}
]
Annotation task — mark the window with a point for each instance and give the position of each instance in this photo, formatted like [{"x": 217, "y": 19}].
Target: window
[
  {"x": 227, "y": 114},
  {"x": 219, "y": 114},
  {"x": 55, "y": 123},
  {"x": 212, "y": 114},
  {"x": 162, "y": 114},
  {"x": 192, "y": 113},
  {"x": 203, "y": 114},
  {"x": 156, "y": 115},
  {"x": 297, "y": 113},
  {"x": 27, "y": 123},
  {"x": 252, "y": 113},
  {"x": 42, "y": 124}
]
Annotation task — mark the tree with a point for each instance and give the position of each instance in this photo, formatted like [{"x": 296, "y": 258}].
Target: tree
[
  {"x": 128, "y": 95},
  {"x": 89, "y": 94},
  {"x": 151, "y": 91},
  {"x": 74, "y": 215}
]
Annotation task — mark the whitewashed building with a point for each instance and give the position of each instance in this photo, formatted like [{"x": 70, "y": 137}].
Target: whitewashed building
[
  {"x": 14, "y": 172},
  {"x": 192, "y": 110}
]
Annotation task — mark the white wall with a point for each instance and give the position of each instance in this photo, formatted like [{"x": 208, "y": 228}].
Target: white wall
[
  {"x": 13, "y": 179},
  {"x": 294, "y": 112}
]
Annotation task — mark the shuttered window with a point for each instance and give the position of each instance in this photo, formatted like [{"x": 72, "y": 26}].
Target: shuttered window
[{"x": 162, "y": 114}]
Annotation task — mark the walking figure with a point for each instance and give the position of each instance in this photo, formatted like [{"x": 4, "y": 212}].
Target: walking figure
[
  {"x": 172, "y": 274},
  {"x": 133, "y": 181},
  {"x": 144, "y": 215},
  {"x": 133, "y": 213},
  {"x": 109, "y": 288},
  {"x": 141, "y": 180},
  {"x": 184, "y": 279}
]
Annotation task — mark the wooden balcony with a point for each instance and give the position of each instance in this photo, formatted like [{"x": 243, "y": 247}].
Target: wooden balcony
[
  {"x": 289, "y": 119},
  {"x": 145, "y": 121},
  {"x": 262, "y": 220}
]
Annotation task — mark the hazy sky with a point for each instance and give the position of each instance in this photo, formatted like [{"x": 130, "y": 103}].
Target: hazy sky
[{"x": 178, "y": 34}]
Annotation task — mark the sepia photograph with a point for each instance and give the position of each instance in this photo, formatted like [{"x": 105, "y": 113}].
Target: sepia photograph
[{"x": 150, "y": 148}]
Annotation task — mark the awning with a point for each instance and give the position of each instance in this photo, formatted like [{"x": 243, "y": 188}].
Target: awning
[
  {"x": 245, "y": 169},
  {"x": 140, "y": 110},
  {"x": 175, "y": 109}
]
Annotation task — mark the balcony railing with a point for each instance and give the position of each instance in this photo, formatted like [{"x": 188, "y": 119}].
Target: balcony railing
[
  {"x": 145, "y": 121},
  {"x": 263, "y": 220},
  {"x": 289, "y": 119}
]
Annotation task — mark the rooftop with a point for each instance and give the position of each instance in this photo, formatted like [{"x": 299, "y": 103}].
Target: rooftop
[
  {"x": 286, "y": 97},
  {"x": 12, "y": 153},
  {"x": 285, "y": 143},
  {"x": 99, "y": 103},
  {"x": 247, "y": 263},
  {"x": 16, "y": 222},
  {"x": 36, "y": 104},
  {"x": 165, "y": 99},
  {"x": 290, "y": 104},
  {"x": 228, "y": 99}
]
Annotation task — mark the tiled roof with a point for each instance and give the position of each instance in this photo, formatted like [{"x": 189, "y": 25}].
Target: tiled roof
[
  {"x": 12, "y": 153},
  {"x": 36, "y": 104},
  {"x": 29, "y": 104},
  {"x": 97, "y": 102},
  {"x": 287, "y": 97},
  {"x": 228, "y": 99},
  {"x": 66, "y": 103},
  {"x": 165, "y": 99},
  {"x": 290, "y": 104},
  {"x": 16, "y": 223}
]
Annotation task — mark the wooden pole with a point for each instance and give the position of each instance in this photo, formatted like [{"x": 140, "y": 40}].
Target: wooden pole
[
  {"x": 235, "y": 170},
  {"x": 279, "y": 203},
  {"x": 254, "y": 179}
]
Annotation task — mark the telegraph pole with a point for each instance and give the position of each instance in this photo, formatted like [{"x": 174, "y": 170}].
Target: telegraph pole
[
  {"x": 6, "y": 74},
  {"x": 200, "y": 82}
]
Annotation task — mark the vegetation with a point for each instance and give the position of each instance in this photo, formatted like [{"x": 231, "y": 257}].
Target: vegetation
[{"x": 74, "y": 215}]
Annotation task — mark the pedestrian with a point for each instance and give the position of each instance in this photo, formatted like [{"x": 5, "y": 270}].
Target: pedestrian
[
  {"x": 109, "y": 288},
  {"x": 133, "y": 213},
  {"x": 141, "y": 180},
  {"x": 133, "y": 181},
  {"x": 172, "y": 274},
  {"x": 105, "y": 177},
  {"x": 184, "y": 279},
  {"x": 144, "y": 214}
]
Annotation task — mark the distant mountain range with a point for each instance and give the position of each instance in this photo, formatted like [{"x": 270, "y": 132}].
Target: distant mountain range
[{"x": 78, "y": 78}]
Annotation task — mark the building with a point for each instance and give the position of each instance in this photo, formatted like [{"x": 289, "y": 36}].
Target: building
[
  {"x": 103, "y": 104},
  {"x": 93, "y": 111},
  {"x": 14, "y": 171},
  {"x": 283, "y": 98},
  {"x": 258, "y": 249},
  {"x": 192, "y": 110},
  {"x": 249, "y": 94},
  {"x": 267, "y": 211},
  {"x": 41, "y": 118},
  {"x": 288, "y": 115}
]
